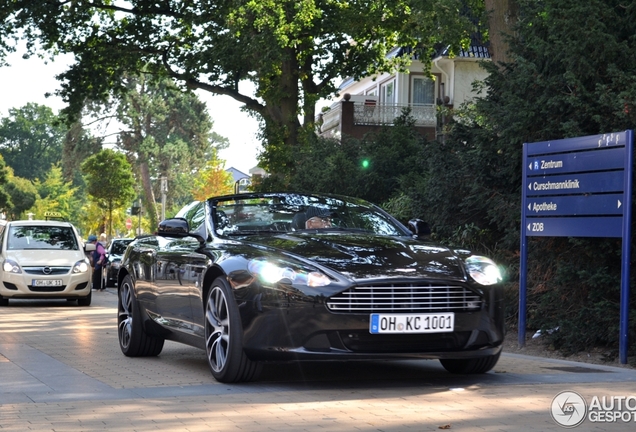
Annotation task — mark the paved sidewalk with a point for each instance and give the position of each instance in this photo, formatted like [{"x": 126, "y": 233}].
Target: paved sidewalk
[{"x": 61, "y": 370}]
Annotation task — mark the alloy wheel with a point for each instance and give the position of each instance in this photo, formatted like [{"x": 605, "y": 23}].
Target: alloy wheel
[
  {"x": 125, "y": 315},
  {"x": 217, "y": 329}
]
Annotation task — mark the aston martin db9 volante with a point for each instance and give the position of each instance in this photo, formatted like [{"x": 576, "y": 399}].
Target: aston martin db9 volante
[{"x": 255, "y": 278}]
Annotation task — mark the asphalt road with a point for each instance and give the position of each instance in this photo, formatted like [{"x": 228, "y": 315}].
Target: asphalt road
[{"x": 61, "y": 369}]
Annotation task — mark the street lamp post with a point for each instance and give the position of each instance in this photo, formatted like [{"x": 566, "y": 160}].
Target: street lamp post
[{"x": 164, "y": 191}]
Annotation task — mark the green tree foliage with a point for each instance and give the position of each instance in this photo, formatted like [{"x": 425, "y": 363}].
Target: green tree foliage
[
  {"x": 55, "y": 195},
  {"x": 180, "y": 192},
  {"x": 22, "y": 193},
  {"x": 213, "y": 180},
  {"x": 79, "y": 144},
  {"x": 293, "y": 52},
  {"x": 331, "y": 166},
  {"x": 5, "y": 197},
  {"x": 167, "y": 134},
  {"x": 31, "y": 140},
  {"x": 110, "y": 182}
]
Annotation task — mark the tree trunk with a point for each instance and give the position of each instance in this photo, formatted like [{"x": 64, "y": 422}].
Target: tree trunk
[
  {"x": 281, "y": 114},
  {"x": 502, "y": 17},
  {"x": 283, "y": 105},
  {"x": 110, "y": 220},
  {"x": 149, "y": 195}
]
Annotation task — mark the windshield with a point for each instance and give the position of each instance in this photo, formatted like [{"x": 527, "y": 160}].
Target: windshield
[
  {"x": 41, "y": 237},
  {"x": 300, "y": 213},
  {"x": 119, "y": 246}
]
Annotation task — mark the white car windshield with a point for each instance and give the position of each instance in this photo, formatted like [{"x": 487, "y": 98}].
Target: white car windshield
[{"x": 41, "y": 237}]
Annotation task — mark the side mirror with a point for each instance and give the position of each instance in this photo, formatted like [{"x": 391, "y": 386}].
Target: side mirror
[
  {"x": 176, "y": 227},
  {"x": 179, "y": 228},
  {"x": 419, "y": 228}
]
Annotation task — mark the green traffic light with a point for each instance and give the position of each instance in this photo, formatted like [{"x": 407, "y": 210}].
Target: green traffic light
[{"x": 365, "y": 163}]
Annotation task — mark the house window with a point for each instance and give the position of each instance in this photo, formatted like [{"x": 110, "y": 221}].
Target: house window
[
  {"x": 423, "y": 91},
  {"x": 387, "y": 92}
]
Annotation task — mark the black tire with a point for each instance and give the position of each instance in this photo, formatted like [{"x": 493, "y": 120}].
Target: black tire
[
  {"x": 4, "y": 301},
  {"x": 85, "y": 301},
  {"x": 224, "y": 337},
  {"x": 133, "y": 339},
  {"x": 477, "y": 365}
]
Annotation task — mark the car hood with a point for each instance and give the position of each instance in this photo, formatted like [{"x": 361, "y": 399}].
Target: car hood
[
  {"x": 39, "y": 257},
  {"x": 369, "y": 256}
]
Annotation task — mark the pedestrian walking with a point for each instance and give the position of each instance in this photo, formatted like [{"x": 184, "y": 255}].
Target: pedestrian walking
[{"x": 99, "y": 258}]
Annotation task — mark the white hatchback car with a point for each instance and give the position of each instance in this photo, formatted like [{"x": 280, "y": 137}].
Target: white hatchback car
[{"x": 44, "y": 259}]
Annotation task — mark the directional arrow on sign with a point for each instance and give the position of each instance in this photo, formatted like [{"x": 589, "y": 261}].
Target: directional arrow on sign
[
  {"x": 576, "y": 205},
  {"x": 602, "y": 226},
  {"x": 593, "y": 182}
]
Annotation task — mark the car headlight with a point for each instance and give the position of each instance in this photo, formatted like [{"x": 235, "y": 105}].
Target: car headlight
[
  {"x": 81, "y": 266},
  {"x": 11, "y": 266},
  {"x": 483, "y": 270},
  {"x": 271, "y": 272}
]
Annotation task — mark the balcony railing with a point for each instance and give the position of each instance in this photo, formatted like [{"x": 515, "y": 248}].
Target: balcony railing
[
  {"x": 379, "y": 115},
  {"x": 331, "y": 120},
  {"x": 424, "y": 115}
]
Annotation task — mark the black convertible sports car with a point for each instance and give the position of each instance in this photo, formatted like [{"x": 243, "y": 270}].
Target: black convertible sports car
[{"x": 281, "y": 276}]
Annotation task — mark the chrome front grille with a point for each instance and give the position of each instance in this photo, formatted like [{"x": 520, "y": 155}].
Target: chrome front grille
[
  {"x": 405, "y": 297},
  {"x": 47, "y": 270}
]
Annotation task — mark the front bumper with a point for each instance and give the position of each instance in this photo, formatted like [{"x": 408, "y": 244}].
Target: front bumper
[
  {"x": 302, "y": 331},
  {"x": 21, "y": 285},
  {"x": 112, "y": 271}
]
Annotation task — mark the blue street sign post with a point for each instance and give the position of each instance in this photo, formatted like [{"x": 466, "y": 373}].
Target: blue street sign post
[{"x": 578, "y": 187}]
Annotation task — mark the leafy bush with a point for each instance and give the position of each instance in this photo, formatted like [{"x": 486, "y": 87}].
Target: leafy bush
[{"x": 332, "y": 166}]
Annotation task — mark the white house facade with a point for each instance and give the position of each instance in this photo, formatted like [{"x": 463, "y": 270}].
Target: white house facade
[{"x": 366, "y": 105}]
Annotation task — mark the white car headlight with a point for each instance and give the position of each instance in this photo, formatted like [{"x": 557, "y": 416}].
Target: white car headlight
[
  {"x": 81, "y": 266},
  {"x": 11, "y": 266},
  {"x": 483, "y": 270},
  {"x": 272, "y": 272}
]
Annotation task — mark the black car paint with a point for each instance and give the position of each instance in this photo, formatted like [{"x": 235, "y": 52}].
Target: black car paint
[{"x": 284, "y": 321}]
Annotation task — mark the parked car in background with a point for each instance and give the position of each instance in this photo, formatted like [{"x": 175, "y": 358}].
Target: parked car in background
[
  {"x": 114, "y": 252},
  {"x": 44, "y": 259},
  {"x": 252, "y": 278}
]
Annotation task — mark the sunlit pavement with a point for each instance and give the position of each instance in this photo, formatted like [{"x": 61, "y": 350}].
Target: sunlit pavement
[{"x": 61, "y": 370}]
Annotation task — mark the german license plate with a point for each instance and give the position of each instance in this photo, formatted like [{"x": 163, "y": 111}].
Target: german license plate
[
  {"x": 46, "y": 282},
  {"x": 412, "y": 323}
]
